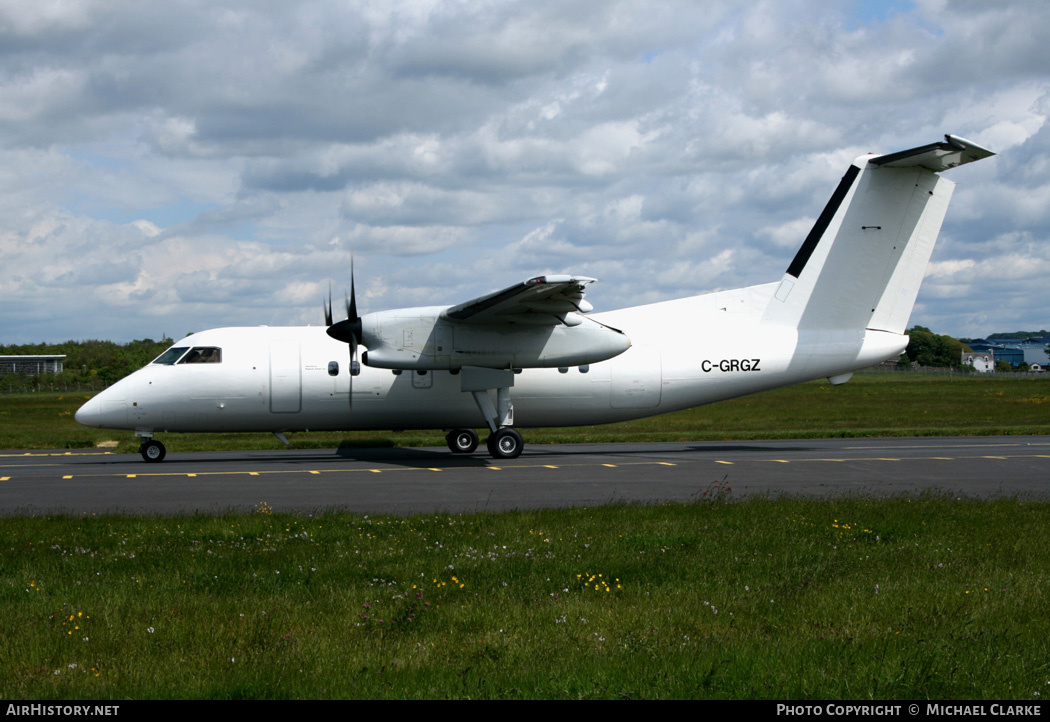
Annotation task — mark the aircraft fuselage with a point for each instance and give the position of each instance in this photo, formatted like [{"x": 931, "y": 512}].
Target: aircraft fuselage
[{"x": 685, "y": 353}]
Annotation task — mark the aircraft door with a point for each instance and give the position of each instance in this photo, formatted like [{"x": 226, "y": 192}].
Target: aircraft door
[{"x": 286, "y": 381}]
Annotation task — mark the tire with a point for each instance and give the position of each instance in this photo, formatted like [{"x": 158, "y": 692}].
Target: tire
[
  {"x": 506, "y": 443},
  {"x": 462, "y": 441},
  {"x": 152, "y": 451}
]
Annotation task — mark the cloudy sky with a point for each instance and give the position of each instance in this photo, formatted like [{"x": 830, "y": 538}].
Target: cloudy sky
[{"x": 168, "y": 167}]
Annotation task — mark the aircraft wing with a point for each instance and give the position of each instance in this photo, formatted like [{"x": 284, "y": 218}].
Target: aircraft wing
[
  {"x": 953, "y": 151},
  {"x": 543, "y": 301}
]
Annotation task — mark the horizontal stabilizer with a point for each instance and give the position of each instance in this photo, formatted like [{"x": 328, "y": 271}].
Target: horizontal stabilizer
[{"x": 954, "y": 151}]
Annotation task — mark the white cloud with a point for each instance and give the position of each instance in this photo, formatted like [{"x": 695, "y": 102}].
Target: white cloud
[{"x": 208, "y": 163}]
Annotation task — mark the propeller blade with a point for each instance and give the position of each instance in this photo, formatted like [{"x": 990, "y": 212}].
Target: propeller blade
[
  {"x": 351, "y": 307},
  {"x": 349, "y": 330},
  {"x": 350, "y": 370}
]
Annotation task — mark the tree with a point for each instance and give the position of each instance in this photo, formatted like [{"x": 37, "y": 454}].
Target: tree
[{"x": 929, "y": 349}]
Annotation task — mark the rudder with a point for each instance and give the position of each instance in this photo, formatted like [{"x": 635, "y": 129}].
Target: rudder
[{"x": 862, "y": 264}]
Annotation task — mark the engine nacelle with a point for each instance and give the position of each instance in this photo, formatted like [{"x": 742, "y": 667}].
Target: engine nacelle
[{"x": 420, "y": 339}]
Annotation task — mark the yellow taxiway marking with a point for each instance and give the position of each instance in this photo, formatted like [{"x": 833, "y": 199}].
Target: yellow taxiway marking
[
  {"x": 64, "y": 453},
  {"x": 268, "y": 472},
  {"x": 5, "y": 478},
  {"x": 68, "y": 476},
  {"x": 340, "y": 470}
]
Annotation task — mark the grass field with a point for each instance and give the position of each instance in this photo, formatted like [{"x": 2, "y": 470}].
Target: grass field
[
  {"x": 794, "y": 599},
  {"x": 871, "y": 404}
]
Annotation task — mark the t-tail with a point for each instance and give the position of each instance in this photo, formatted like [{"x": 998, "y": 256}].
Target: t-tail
[{"x": 861, "y": 266}]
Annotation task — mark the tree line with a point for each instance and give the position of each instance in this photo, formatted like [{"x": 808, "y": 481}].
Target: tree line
[{"x": 88, "y": 364}]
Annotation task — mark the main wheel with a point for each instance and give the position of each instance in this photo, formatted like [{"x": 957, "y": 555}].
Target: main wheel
[
  {"x": 506, "y": 443},
  {"x": 152, "y": 451},
  {"x": 462, "y": 441}
]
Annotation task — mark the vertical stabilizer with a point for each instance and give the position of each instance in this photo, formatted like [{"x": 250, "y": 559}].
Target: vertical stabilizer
[{"x": 862, "y": 264}]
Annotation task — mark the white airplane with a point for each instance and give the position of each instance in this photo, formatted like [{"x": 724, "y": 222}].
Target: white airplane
[{"x": 528, "y": 356}]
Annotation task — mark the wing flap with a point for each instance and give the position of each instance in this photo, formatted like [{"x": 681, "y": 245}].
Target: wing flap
[{"x": 542, "y": 301}]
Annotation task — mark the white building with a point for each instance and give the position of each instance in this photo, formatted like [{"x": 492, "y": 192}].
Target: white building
[{"x": 983, "y": 361}]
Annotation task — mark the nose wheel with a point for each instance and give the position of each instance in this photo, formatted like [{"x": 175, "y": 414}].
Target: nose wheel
[{"x": 152, "y": 451}]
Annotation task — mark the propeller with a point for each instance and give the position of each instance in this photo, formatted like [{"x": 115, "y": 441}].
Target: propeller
[{"x": 349, "y": 330}]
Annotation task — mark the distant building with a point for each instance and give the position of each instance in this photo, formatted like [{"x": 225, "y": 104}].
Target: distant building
[
  {"x": 983, "y": 361},
  {"x": 1014, "y": 352},
  {"x": 31, "y": 365}
]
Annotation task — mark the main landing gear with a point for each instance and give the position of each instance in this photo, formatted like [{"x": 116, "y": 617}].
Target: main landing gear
[
  {"x": 504, "y": 442},
  {"x": 462, "y": 441}
]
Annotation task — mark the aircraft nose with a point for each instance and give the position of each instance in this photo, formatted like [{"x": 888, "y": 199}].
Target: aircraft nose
[
  {"x": 107, "y": 410},
  {"x": 90, "y": 414}
]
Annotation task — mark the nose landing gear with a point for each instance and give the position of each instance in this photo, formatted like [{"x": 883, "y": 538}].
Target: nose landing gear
[{"x": 152, "y": 451}]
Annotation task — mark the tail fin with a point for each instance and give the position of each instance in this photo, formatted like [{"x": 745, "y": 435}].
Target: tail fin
[{"x": 862, "y": 264}]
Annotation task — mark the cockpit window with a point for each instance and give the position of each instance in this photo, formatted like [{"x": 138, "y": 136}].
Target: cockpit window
[
  {"x": 203, "y": 355},
  {"x": 171, "y": 355}
]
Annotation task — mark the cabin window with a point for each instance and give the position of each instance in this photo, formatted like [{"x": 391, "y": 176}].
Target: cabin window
[
  {"x": 171, "y": 355},
  {"x": 202, "y": 355},
  {"x": 333, "y": 368}
]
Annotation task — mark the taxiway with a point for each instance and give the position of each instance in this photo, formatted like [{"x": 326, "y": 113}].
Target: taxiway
[{"x": 401, "y": 481}]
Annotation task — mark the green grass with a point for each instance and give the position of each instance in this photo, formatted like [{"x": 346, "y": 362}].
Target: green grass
[
  {"x": 800, "y": 599},
  {"x": 871, "y": 404}
]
